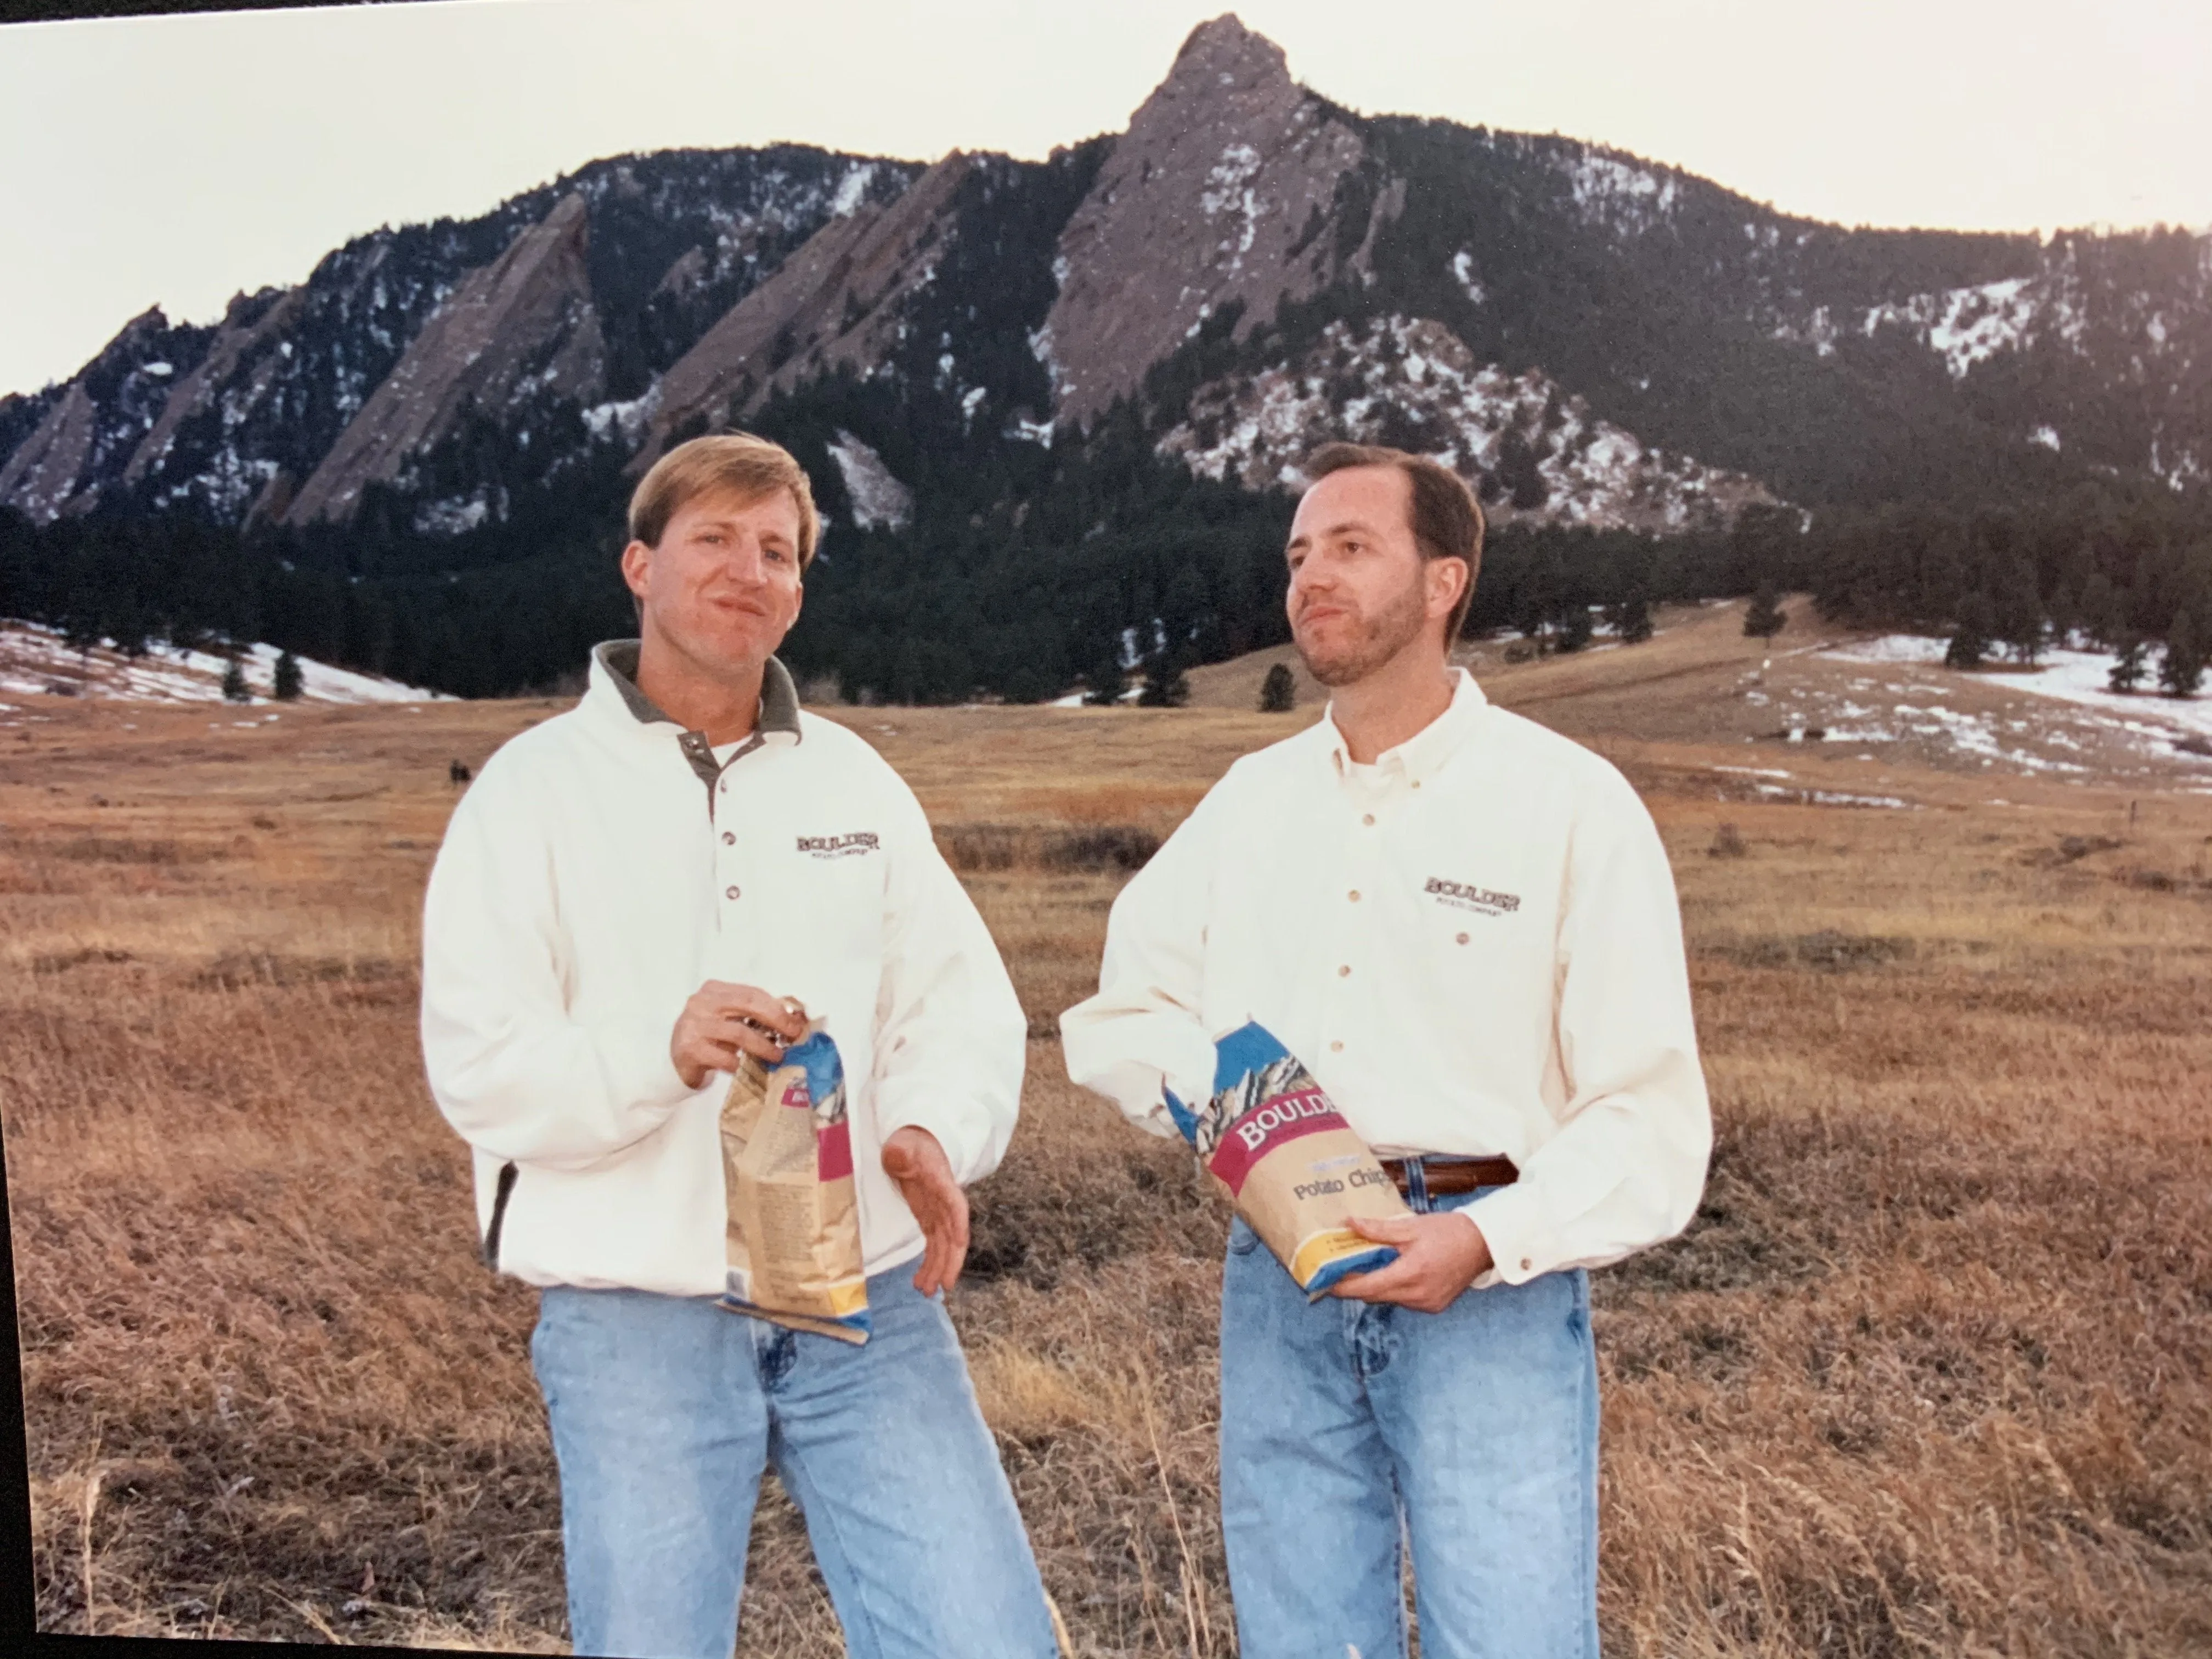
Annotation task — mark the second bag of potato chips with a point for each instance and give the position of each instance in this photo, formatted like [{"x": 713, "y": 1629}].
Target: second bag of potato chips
[
  {"x": 1292, "y": 1165},
  {"x": 795, "y": 1224}
]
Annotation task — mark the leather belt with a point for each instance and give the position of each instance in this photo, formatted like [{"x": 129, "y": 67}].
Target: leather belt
[{"x": 1448, "y": 1176}]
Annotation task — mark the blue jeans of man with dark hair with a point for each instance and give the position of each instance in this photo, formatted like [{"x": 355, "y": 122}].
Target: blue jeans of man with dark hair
[
  {"x": 1351, "y": 1430},
  {"x": 664, "y": 1412}
]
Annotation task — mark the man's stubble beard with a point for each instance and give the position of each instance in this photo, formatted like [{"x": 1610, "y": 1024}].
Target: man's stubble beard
[{"x": 1396, "y": 626}]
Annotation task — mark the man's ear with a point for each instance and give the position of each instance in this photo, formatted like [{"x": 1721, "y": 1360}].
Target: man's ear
[
  {"x": 1446, "y": 579},
  {"x": 636, "y": 568}
]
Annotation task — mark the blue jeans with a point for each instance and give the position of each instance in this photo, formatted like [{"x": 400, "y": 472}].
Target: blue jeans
[
  {"x": 1349, "y": 1429},
  {"x": 665, "y": 1411}
]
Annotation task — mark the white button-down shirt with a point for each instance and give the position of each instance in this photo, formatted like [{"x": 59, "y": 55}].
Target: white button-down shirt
[{"x": 1474, "y": 943}]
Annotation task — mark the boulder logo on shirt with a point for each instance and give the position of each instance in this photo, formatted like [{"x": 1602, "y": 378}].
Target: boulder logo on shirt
[
  {"x": 841, "y": 847},
  {"x": 1460, "y": 896}
]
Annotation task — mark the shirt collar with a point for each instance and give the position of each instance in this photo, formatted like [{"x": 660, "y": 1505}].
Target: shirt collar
[
  {"x": 616, "y": 661},
  {"x": 1425, "y": 754}
]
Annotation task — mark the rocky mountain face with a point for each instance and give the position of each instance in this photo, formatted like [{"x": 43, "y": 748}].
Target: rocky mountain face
[
  {"x": 1233, "y": 187},
  {"x": 572, "y": 298},
  {"x": 986, "y": 360}
]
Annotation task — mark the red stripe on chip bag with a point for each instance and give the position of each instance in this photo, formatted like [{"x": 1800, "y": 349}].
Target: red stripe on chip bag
[
  {"x": 833, "y": 1149},
  {"x": 1270, "y": 1124}
]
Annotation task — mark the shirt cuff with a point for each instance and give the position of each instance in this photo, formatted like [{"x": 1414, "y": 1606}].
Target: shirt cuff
[
  {"x": 1517, "y": 1231},
  {"x": 963, "y": 1148}
]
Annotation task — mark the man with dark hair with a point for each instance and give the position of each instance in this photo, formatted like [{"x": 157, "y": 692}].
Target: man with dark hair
[
  {"x": 632, "y": 897},
  {"x": 1465, "y": 925}
]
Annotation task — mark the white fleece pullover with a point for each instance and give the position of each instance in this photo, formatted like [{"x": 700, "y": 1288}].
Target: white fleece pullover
[{"x": 592, "y": 879}]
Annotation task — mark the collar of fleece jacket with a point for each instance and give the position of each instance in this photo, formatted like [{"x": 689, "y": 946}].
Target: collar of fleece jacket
[{"x": 778, "y": 711}]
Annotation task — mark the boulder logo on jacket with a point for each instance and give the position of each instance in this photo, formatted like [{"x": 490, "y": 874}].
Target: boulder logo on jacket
[
  {"x": 1464, "y": 897},
  {"x": 1293, "y": 1167},
  {"x": 841, "y": 847}
]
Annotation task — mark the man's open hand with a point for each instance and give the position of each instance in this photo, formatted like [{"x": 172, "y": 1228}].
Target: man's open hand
[
  {"x": 1439, "y": 1256},
  {"x": 722, "y": 1021},
  {"x": 913, "y": 1159}
]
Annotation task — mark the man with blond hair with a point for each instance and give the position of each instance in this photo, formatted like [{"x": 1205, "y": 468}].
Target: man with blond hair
[
  {"x": 633, "y": 895},
  {"x": 1465, "y": 925}
]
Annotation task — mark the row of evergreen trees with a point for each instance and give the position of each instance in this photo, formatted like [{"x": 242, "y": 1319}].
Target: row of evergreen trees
[{"x": 1029, "y": 572}]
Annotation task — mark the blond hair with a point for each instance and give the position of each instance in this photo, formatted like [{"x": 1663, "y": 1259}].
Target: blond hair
[{"x": 737, "y": 461}]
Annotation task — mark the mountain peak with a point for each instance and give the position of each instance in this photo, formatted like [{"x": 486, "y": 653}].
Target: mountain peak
[
  {"x": 1223, "y": 193},
  {"x": 1223, "y": 45}
]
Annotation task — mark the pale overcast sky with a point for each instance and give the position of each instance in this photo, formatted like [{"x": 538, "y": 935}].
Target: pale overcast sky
[{"x": 179, "y": 160}]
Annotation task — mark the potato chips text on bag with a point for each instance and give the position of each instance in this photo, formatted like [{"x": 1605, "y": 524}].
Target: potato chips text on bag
[
  {"x": 1292, "y": 1165},
  {"x": 795, "y": 1224}
]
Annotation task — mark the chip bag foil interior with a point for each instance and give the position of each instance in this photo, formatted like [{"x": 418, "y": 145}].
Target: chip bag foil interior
[
  {"x": 795, "y": 1224},
  {"x": 1289, "y": 1162}
]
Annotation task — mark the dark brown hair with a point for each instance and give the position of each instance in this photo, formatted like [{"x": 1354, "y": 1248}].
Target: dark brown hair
[
  {"x": 723, "y": 460},
  {"x": 1446, "y": 521}
]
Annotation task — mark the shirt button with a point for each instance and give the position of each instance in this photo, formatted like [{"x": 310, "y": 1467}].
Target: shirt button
[
  {"x": 730, "y": 891},
  {"x": 1337, "y": 1046},
  {"x": 1344, "y": 972},
  {"x": 728, "y": 839},
  {"x": 1368, "y": 819},
  {"x": 1463, "y": 939},
  {"x": 1526, "y": 1264},
  {"x": 1355, "y": 896},
  {"x": 1417, "y": 783}
]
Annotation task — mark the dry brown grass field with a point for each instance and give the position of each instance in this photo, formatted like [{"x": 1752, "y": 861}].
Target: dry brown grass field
[{"x": 1932, "y": 1373}]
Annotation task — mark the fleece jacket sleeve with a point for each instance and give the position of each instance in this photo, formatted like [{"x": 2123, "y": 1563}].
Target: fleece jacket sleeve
[{"x": 511, "y": 1070}]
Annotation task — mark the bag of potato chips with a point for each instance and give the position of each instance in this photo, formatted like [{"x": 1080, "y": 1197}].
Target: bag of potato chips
[
  {"x": 1288, "y": 1161},
  {"x": 794, "y": 1227}
]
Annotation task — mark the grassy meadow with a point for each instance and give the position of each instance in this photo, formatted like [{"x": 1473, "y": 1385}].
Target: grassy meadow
[{"x": 1931, "y": 1374}]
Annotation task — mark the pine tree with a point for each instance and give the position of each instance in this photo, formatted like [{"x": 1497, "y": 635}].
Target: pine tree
[
  {"x": 1106, "y": 680},
  {"x": 1575, "y": 627},
  {"x": 2128, "y": 671},
  {"x": 1970, "y": 644},
  {"x": 290, "y": 682},
  {"x": 1765, "y": 618},
  {"x": 1164, "y": 685},
  {"x": 2181, "y": 670},
  {"x": 235, "y": 688},
  {"x": 1278, "y": 692},
  {"x": 2100, "y": 614},
  {"x": 1635, "y": 623}
]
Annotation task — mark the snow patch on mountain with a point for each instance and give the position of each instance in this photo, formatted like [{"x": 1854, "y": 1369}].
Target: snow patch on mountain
[
  {"x": 878, "y": 497},
  {"x": 851, "y": 190},
  {"x": 1532, "y": 450},
  {"x": 1617, "y": 193}
]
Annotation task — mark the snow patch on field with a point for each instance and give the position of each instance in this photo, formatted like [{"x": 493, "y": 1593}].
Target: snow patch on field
[
  {"x": 2076, "y": 676},
  {"x": 35, "y": 659}
]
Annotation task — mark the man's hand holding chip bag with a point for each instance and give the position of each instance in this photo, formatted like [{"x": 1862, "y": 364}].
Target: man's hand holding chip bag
[
  {"x": 1439, "y": 1256},
  {"x": 723, "y": 1021}
]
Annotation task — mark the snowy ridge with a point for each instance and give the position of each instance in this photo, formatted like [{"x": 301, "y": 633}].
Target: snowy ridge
[
  {"x": 35, "y": 661},
  {"x": 1534, "y": 451}
]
